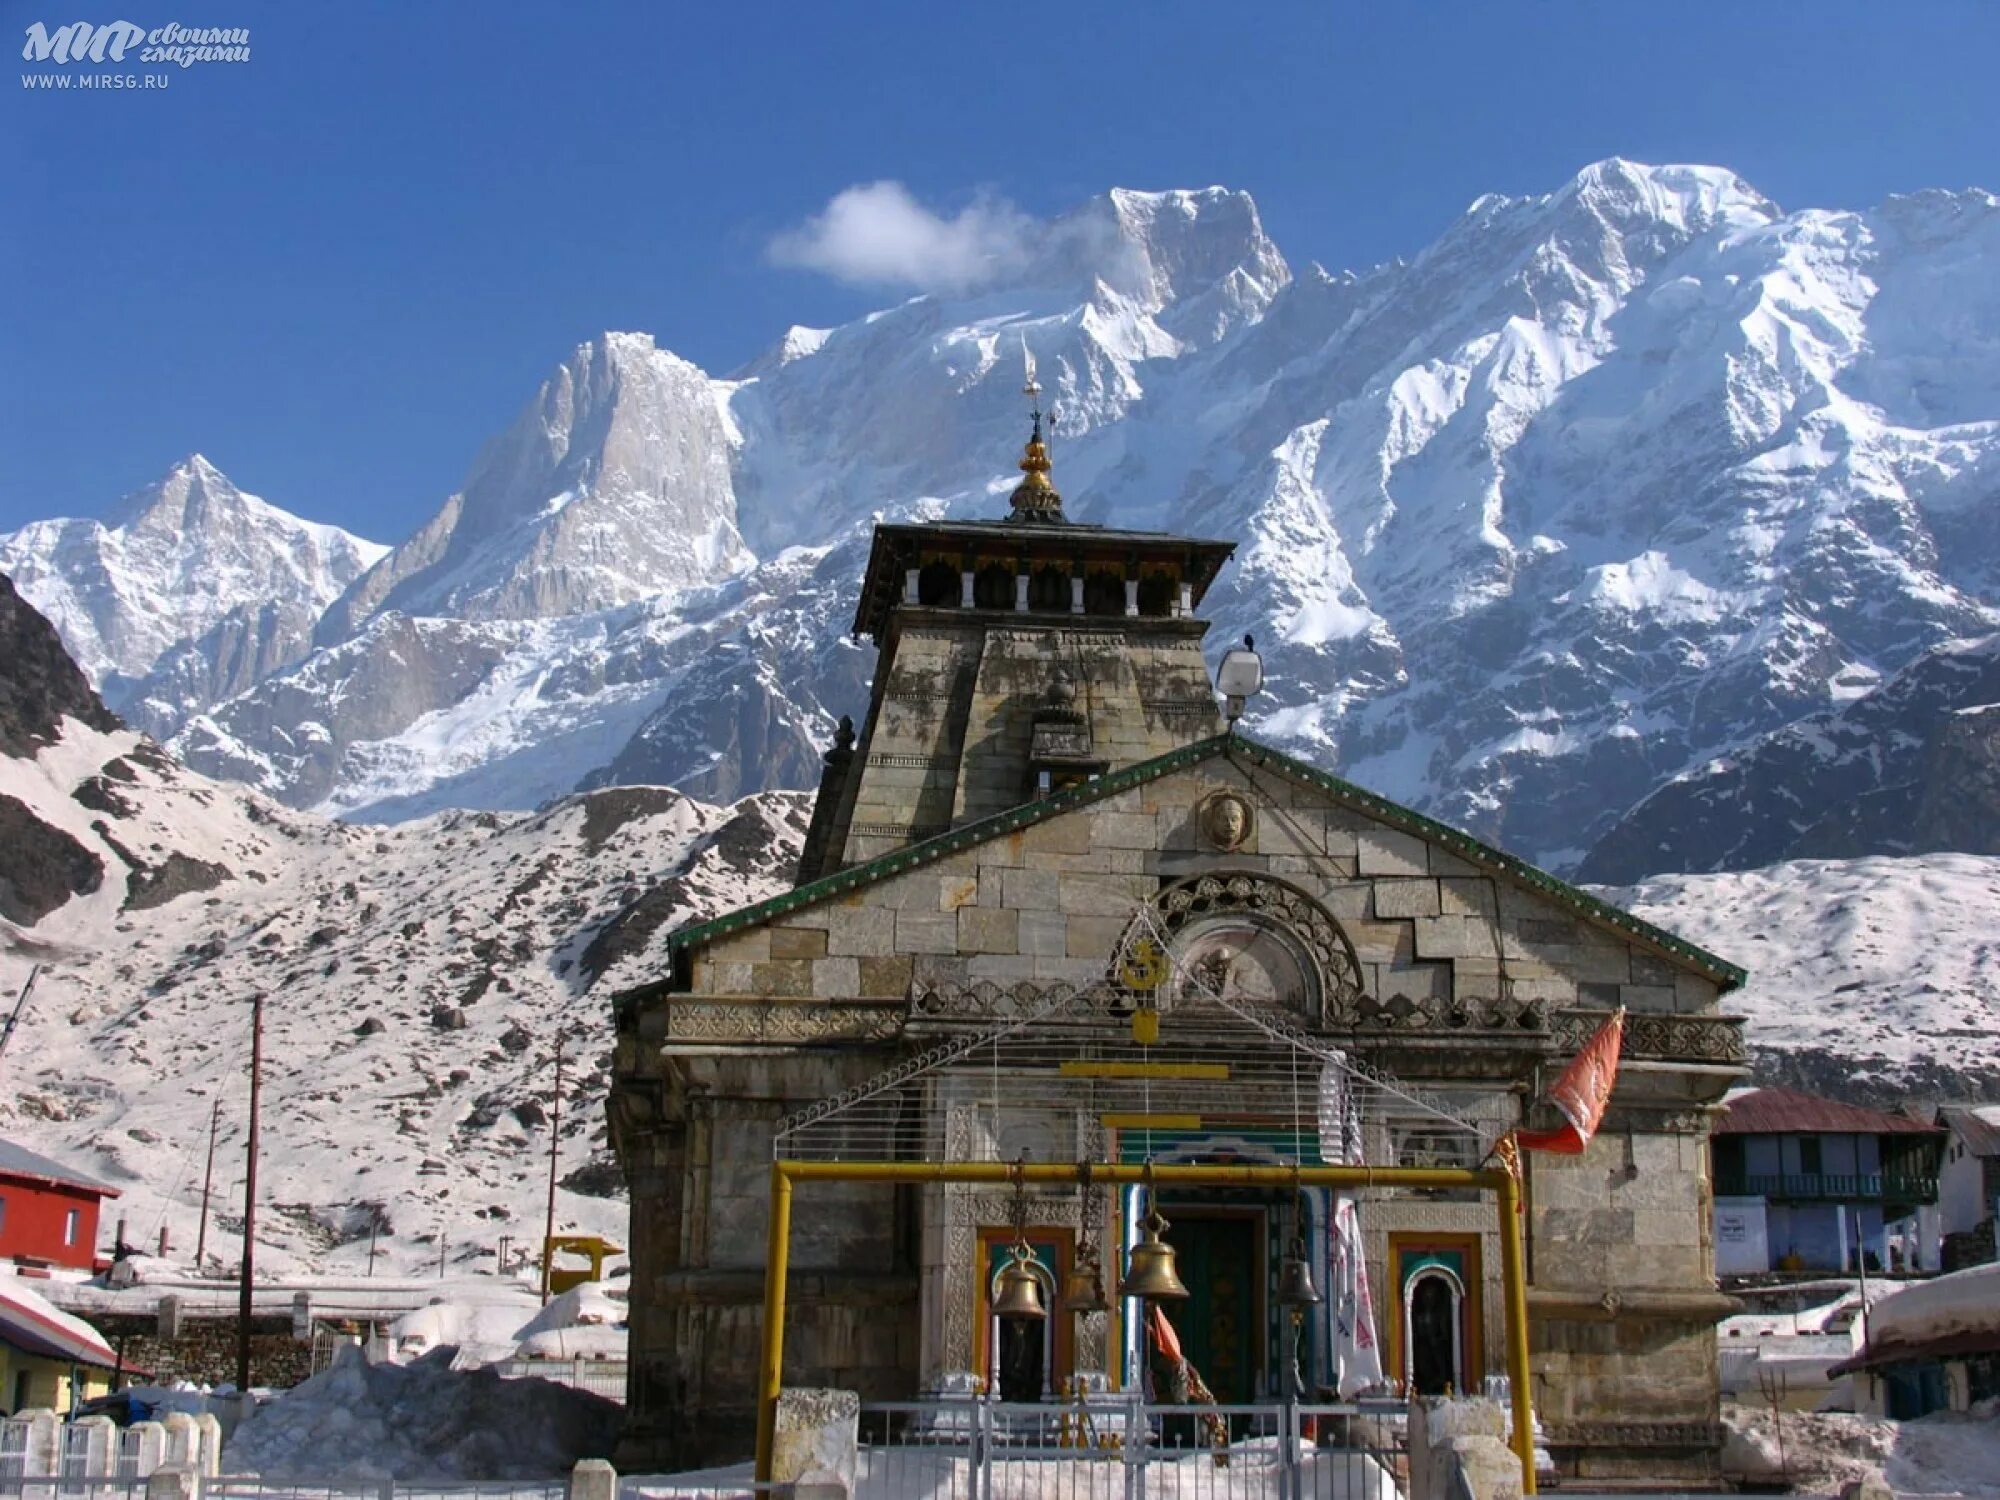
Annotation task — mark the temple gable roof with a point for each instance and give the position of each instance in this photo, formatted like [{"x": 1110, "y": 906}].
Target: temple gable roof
[{"x": 1581, "y": 903}]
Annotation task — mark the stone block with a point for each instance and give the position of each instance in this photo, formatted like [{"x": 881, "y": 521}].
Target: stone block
[
  {"x": 816, "y": 1445},
  {"x": 857, "y": 930},
  {"x": 747, "y": 946},
  {"x": 1101, "y": 895},
  {"x": 836, "y": 978},
  {"x": 1694, "y": 995},
  {"x": 1463, "y": 897},
  {"x": 724, "y": 979},
  {"x": 1381, "y": 942},
  {"x": 798, "y": 942},
  {"x": 1405, "y": 898},
  {"x": 1062, "y": 835},
  {"x": 1045, "y": 934},
  {"x": 1030, "y": 890},
  {"x": 1094, "y": 937},
  {"x": 1076, "y": 971},
  {"x": 885, "y": 978},
  {"x": 926, "y": 932},
  {"x": 1443, "y": 862},
  {"x": 1454, "y": 937},
  {"x": 1648, "y": 968},
  {"x": 1112, "y": 830},
  {"x": 782, "y": 978},
  {"x": 984, "y": 929},
  {"x": 1599, "y": 959},
  {"x": 1004, "y": 968},
  {"x": 1349, "y": 902},
  {"x": 1382, "y": 851},
  {"x": 1647, "y": 997},
  {"x": 955, "y": 891}
]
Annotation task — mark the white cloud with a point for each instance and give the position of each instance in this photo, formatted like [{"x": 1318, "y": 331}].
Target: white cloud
[{"x": 877, "y": 234}]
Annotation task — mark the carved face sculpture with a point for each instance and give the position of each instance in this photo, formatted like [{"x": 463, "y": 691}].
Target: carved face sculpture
[{"x": 1225, "y": 820}]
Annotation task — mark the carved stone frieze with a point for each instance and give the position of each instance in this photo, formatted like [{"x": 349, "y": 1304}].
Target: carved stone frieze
[
  {"x": 698, "y": 1021},
  {"x": 1633, "y": 1434},
  {"x": 1676, "y": 1038}
]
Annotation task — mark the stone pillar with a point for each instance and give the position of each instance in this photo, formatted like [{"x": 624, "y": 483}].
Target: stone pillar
[
  {"x": 1021, "y": 592},
  {"x": 149, "y": 1447},
  {"x": 43, "y": 1446},
  {"x": 965, "y": 589},
  {"x": 1076, "y": 593},
  {"x": 302, "y": 1317},
  {"x": 817, "y": 1446},
  {"x": 95, "y": 1440},
  {"x": 210, "y": 1427},
  {"x": 171, "y": 1482},
  {"x": 182, "y": 1442},
  {"x": 1131, "y": 596},
  {"x": 910, "y": 585},
  {"x": 591, "y": 1479},
  {"x": 1187, "y": 601}
]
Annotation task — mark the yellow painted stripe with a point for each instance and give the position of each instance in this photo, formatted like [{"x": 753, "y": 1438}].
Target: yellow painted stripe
[
  {"x": 1144, "y": 1070},
  {"x": 1151, "y": 1122}
]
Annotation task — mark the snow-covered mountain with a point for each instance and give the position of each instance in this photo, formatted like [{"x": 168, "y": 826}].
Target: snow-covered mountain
[
  {"x": 191, "y": 592},
  {"x": 1910, "y": 768},
  {"x": 1599, "y": 486}
]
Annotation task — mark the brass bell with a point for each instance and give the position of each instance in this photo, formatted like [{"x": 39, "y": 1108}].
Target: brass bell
[
  {"x": 1295, "y": 1279},
  {"x": 1083, "y": 1288},
  {"x": 1020, "y": 1289},
  {"x": 1149, "y": 1270}
]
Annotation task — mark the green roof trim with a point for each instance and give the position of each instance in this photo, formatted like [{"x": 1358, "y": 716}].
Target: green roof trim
[{"x": 1231, "y": 746}]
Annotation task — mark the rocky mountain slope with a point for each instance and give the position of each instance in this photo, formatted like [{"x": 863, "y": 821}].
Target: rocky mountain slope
[
  {"x": 1876, "y": 980},
  {"x": 416, "y": 980},
  {"x": 1913, "y": 767},
  {"x": 192, "y": 592},
  {"x": 1601, "y": 485}
]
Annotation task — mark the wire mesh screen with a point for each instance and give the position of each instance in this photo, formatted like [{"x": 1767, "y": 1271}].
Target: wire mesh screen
[{"x": 1169, "y": 1048}]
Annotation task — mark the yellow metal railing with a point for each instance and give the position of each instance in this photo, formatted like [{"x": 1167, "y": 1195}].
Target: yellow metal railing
[{"x": 1505, "y": 1187}]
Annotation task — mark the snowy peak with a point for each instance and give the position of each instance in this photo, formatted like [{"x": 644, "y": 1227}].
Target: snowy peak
[
  {"x": 175, "y": 560},
  {"x": 612, "y": 485}
]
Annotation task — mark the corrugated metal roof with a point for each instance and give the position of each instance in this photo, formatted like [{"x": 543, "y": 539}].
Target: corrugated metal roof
[
  {"x": 1788, "y": 1112},
  {"x": 19, "y": 1161},
  {"x": 1978, "y": 1128}
]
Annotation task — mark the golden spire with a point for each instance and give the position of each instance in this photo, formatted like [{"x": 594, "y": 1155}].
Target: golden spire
[{"x": 1035, "y": 499}]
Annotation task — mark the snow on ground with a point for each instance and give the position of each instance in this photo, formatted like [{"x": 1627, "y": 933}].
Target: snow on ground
[
  {"x": 1945, "y": 1454},
  {"x": 1891, "y": 966},
  {"x": 416, "y": 979},
  {"x": 422, "y": 1421}
]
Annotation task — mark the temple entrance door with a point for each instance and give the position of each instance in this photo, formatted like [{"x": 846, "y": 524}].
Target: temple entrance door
[
  {"x": 1435, "y": 1333},
  {"x": 1434, "y": 1317},
  {"x": 1218, "y": 1254}
]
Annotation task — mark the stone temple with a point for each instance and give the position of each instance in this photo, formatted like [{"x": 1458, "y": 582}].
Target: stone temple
[{"x": 1043, "y": 769}]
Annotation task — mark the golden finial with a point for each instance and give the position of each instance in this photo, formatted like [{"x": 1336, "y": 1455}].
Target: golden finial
[{"x": 1035, "y": 499}]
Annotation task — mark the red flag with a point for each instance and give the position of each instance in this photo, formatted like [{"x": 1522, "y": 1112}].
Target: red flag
[{"x": 1582, "y": 1092}]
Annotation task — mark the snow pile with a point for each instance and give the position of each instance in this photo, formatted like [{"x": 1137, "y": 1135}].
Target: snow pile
[
  {"x": 424, "y": 1421},
  {"x": 583, "y": 1323},
  {"x": 1960, "y": 1309},
  {"x": 482, "y": 1329},
  {"x": 1944, "y": 1454}
]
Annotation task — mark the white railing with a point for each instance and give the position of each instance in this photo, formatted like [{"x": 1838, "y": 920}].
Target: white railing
[
  {"x": 600, "y": 1377},
  {"x": 1115, "y": 1447}
]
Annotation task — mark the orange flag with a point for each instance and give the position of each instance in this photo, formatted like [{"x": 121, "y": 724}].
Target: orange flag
[{"x": 1582, "y": 1092}]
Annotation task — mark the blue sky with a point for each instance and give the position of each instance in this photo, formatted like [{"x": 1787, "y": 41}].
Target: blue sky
[{"x": 339, "y": 267}]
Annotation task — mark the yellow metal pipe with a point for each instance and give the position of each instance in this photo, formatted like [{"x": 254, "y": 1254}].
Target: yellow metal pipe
[
  {"x": 1514, "y": 1278},
  {"x": 771, "y": 1373}
]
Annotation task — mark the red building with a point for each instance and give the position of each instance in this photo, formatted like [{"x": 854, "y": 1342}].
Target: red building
[{"x": 48, "y": 1213}]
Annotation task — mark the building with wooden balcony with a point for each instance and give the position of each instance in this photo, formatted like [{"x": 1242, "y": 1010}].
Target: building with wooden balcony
[{"x": 1814, "y": 1185}]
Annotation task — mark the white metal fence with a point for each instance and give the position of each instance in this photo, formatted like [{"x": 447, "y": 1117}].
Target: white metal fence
[
  {"x": 600, "y": 1377},
  {"x": 1119, "y": 1448}
]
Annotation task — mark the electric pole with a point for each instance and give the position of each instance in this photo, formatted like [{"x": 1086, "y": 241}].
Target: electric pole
[
  {"x": 207, "y": 1181},
  {"x": 250, "y": 1196},
  {"x": 555, "y": 1136},
  {"x": 14, "y": 1020}
]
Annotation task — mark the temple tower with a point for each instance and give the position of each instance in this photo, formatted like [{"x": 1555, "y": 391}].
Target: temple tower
[{"x": 1018, "y": 656}]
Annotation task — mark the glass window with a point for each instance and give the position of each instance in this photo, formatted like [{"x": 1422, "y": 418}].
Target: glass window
[{"x": 72, "y": 1222}]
